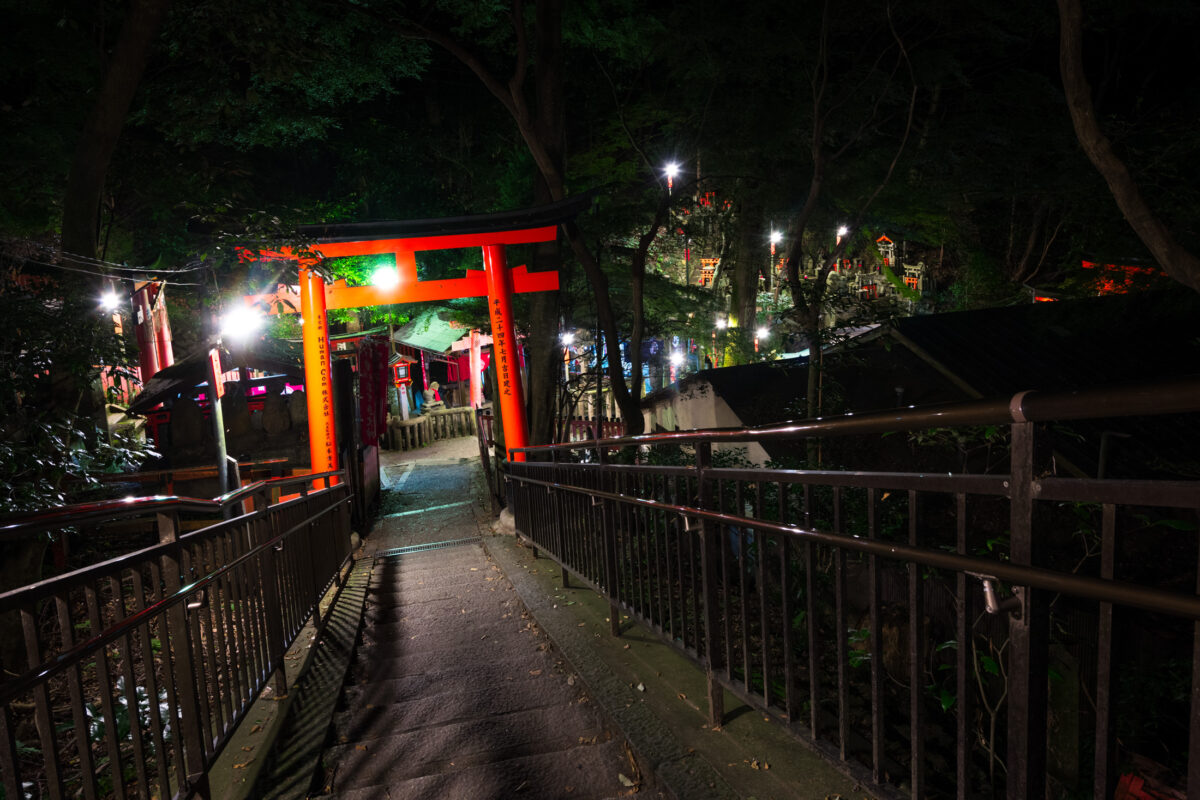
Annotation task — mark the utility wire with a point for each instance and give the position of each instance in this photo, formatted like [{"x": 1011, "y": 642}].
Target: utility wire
[{"x": 128, "y": 278}]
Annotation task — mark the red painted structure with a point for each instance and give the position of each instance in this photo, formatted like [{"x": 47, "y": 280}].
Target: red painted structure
[{"x": 402, "y": 240}]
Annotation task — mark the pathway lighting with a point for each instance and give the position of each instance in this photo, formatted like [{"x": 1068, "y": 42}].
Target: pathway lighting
[
  {"x": 567, "y": 338},
  {"x": 776, "y": 238},
  {"x": 671, "y": 171},
  {"x": 676, "y": 359},
  {"x": 722, "y": 323},
  {"x": 109, "y": 302},
  {"x": 385, "y": 277},
  {"x": 241, "y": 323},
  {"x": 763, "y": 333}
]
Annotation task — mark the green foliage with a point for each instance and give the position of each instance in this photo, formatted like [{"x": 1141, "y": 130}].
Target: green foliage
[{"x": 51, "y": 353}]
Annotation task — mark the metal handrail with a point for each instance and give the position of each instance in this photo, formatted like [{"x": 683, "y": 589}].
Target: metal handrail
[
  {"x": 13, "y": 688},
  {"x": 24, "y": 523},
  {"x": 1175, "y": 396},
  {"x": 1035, "y": 577}
]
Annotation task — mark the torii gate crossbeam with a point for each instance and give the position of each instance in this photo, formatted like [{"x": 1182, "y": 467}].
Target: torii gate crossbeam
[{"x": 491, "y": 232}]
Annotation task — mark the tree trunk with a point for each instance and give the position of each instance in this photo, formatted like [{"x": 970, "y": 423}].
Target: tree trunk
[
  {"x": 545, "y": 352},
  {"x": 1171, "y": 256},
  {"x": 98, "y": 139},
  {"x": 751, "y": 255}
]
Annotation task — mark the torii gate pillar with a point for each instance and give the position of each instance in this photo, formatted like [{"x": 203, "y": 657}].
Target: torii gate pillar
[
  {"x": 318, "y": 383},
  {"x": 508, "y": 374}
]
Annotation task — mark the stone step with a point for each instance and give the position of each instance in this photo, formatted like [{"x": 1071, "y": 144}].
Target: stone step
[{"x": 581, "y": 773}]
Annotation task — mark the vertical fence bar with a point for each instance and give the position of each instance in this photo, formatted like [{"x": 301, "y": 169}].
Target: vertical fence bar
[
  {"x": 874, "y": 603},
  {"x": 764, "y": 625},
  {"x": 1193, "y": 778},
  {"x": 8, "y": 755},
  {"x": 74, "y": 674},
  {"x": 106, "y": 686},
  {"x": 916, "y": 638},
  {"x": 963, "y": 658},
  {"x": 156, "y": 722},
  {"x": 178, "y": 644},
  {"x": 609, "y": 542},
  {"x": 840, "y": 631},
  {"x": 814, "y": 660},
  {"x": 270, "y": 592},
  {"x": 1104, "y": 780},
  {"x": 132, "y": 709},
  {"x": 789, "y": 609},
  {"x": 1027, "y": 694},
  {"x": 709, "y": 557}
]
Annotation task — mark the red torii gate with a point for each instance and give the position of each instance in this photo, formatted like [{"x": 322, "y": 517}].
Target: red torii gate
[{"x": 491, "y": 232}]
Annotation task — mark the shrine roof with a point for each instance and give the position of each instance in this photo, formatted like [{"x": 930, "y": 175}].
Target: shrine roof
[{"x": 429, "y": 331}]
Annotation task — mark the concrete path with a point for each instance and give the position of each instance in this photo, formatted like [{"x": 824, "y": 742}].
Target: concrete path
[
  {"x": 465, "y": 669},
  {"x": 453, "y": 692}
]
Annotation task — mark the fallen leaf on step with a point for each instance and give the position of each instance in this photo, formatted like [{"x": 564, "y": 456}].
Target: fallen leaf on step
[
  {"x": 681, "y": 696},
  {"x": 243, "y": 765},
  {"x": 360, "y": 747},
  {"x": 256, "y": 729},
  {"x": 580, "y": 625},
  {"x": 624, "y": 781},
  {"x": 535, "y": 672},
  {"x": 248, "y": 748}
]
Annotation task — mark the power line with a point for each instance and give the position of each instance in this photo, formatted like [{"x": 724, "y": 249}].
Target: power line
[
  {"x": 108, "y": 276},
  {"x": 80, "y": 259}
]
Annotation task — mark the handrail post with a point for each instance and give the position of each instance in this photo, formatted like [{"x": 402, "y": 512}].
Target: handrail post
[
  {"x": 1028, "y": 636},
  {"x": 610, "y": 551},
  {"x": 271, "y": 592},
  {"x": 709, "y": 557},
  {"x": 191, "y": 729},
  {"x": 561, "y": 536}
]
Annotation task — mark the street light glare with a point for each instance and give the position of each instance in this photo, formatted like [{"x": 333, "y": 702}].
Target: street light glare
[
  {"x": 776, "y": 237},
  {"x": 385, "y": 277},
  {"x": 676, "y": 359},
  {"x": 672, "y": 169},
  {"x": 842, "y": 231},
  {"x": 241, "y": 322},
  {"x": 763, "y": 333},
  {"x": 109, "y": 302},
  {"x": 722, "y": 324},
  {"x": 567, "y": 338}
]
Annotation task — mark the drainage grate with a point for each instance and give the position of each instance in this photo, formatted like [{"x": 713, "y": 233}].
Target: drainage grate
[{"x": 417, "y": 548}]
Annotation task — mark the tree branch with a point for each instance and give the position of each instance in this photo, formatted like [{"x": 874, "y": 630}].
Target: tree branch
[{"x": 1171, "y": 256}]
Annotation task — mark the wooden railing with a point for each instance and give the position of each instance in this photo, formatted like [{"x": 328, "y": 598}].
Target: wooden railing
[{"x": 422, "y": 431}]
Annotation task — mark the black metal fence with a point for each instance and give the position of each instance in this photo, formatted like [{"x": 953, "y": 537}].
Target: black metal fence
[
  {"x": 934, "y": 634},
  {"x": 139, "y": 668}
]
